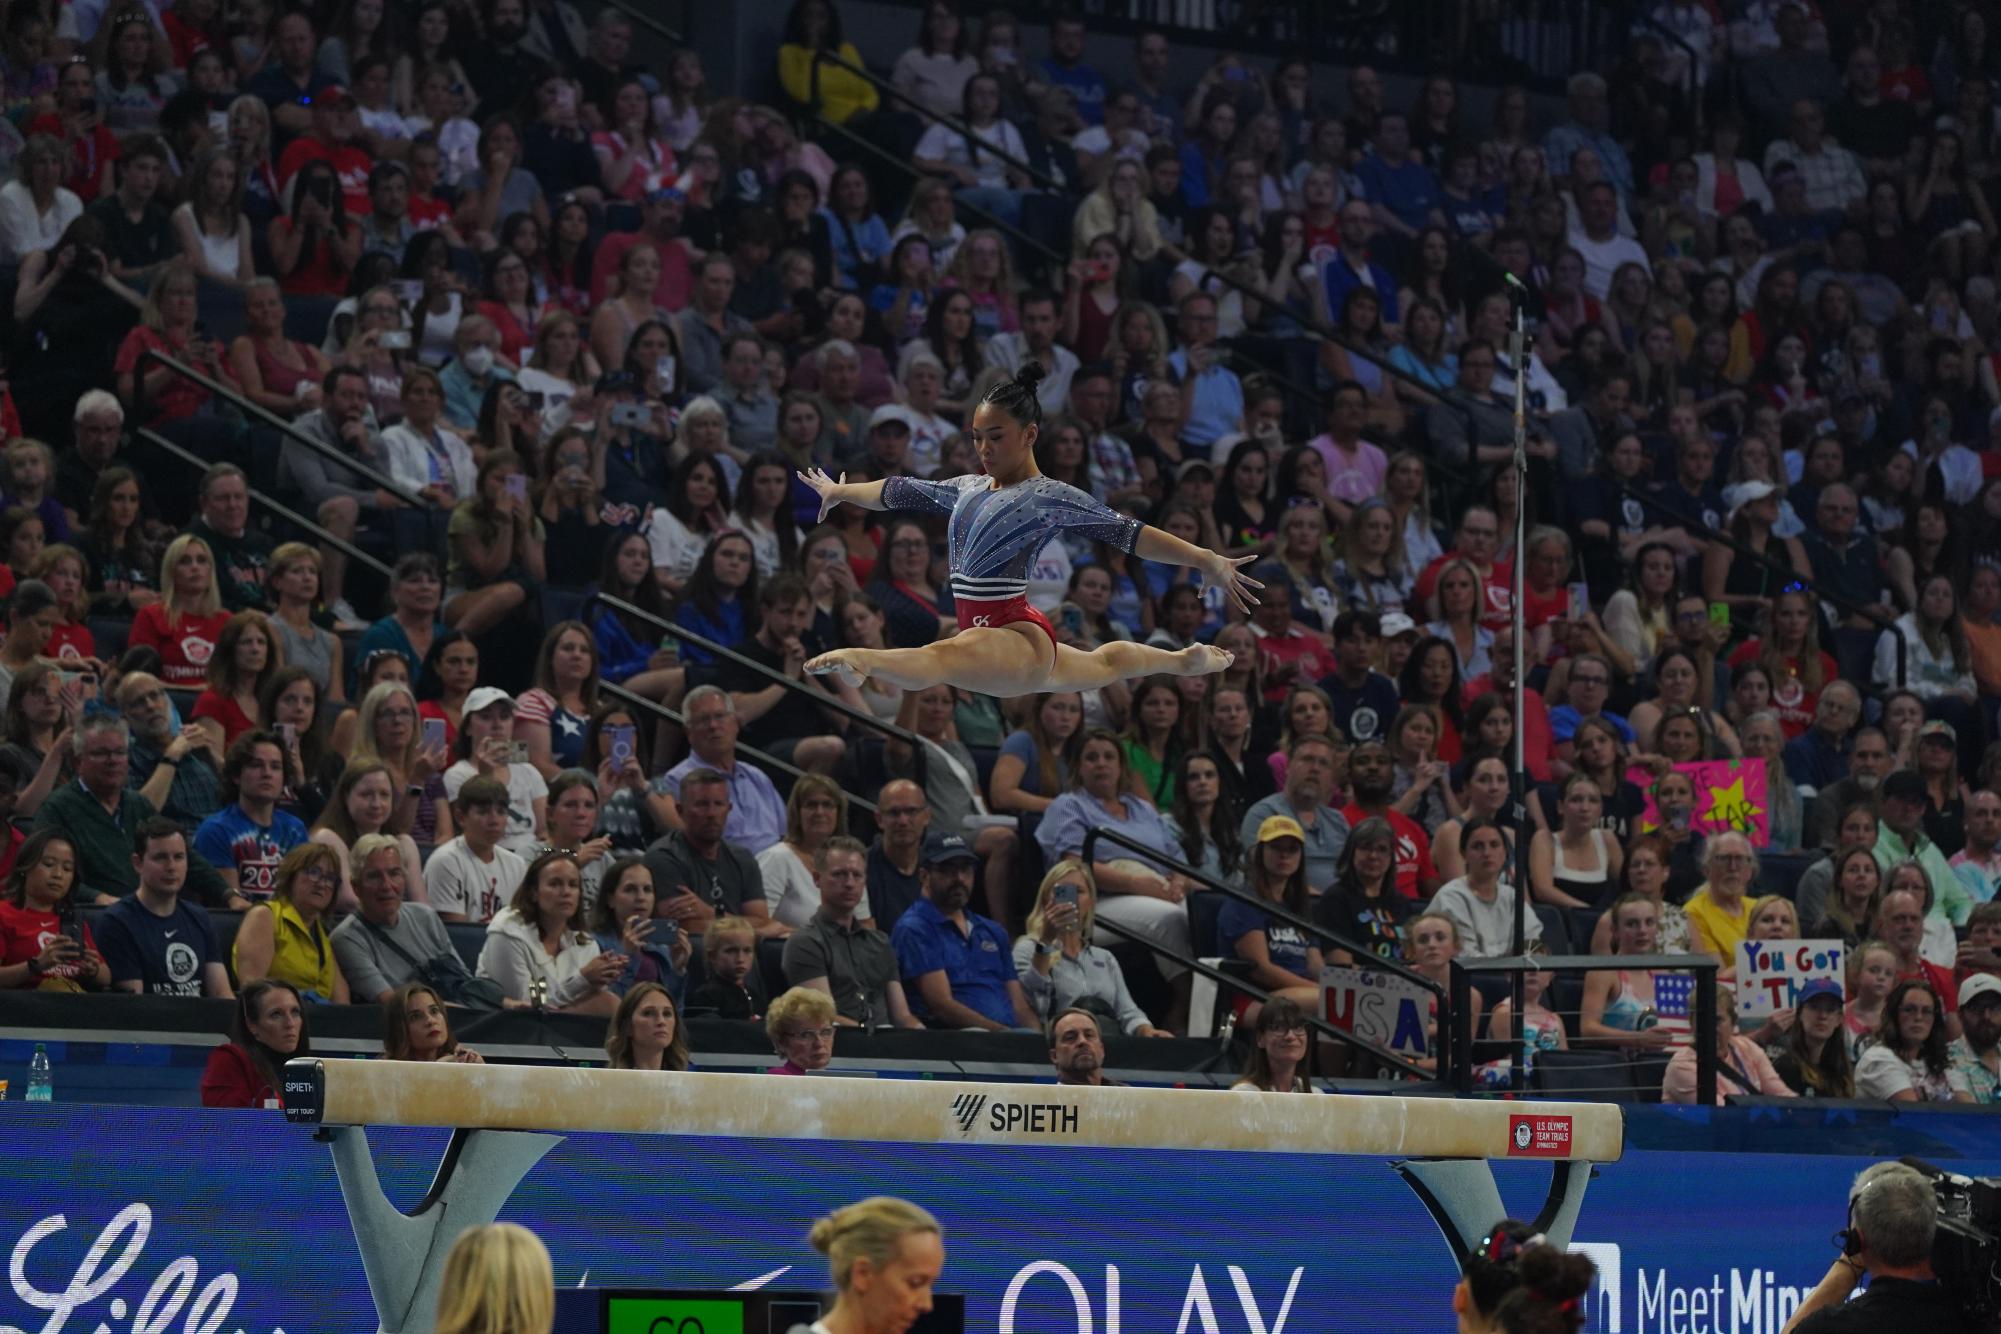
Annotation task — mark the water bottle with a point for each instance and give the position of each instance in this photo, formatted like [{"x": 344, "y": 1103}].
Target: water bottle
[{"x": 41, "y": 1088}]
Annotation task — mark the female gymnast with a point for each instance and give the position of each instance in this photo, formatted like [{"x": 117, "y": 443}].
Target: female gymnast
[{"x": 999, "y": 521}]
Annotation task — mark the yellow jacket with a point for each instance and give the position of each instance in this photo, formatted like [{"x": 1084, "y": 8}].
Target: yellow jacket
[
  {"x": 839, "y": 93},
  {"x": 300, "y": 954}
]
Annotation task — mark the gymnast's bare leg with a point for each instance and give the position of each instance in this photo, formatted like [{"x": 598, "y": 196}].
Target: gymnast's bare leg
[{"x": 1011, "y": 660}]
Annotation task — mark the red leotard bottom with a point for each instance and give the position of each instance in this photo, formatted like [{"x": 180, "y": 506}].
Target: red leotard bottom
[{"x": 987, "y": 615}]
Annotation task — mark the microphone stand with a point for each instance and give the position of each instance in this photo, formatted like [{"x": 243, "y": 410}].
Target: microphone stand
[{"x": 1518, "y": 354}]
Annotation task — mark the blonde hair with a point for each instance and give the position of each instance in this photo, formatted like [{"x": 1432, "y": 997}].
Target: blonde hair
[
  {"x": 1778, "y": 900},
  {"x": 364, "y": 732},
  {"x": 712, "y": 939},
  {"x": 286, "y": 556},
  {"x": 800, "y": 1005},
  {"x": 209, "y": 603},
  {"x": 498, "y": 1280},
  {"x": 1063, "y": 870},
  {"x": 872, "y": 1229}
]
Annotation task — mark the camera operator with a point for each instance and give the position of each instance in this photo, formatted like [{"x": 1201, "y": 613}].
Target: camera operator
[
  {"x": 1514, "y": 1282},
  {"x": 1892, "y": 1214}
]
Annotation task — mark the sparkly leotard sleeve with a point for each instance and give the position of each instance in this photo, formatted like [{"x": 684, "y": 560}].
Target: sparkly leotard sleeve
[{"x": 995, "y": 534}]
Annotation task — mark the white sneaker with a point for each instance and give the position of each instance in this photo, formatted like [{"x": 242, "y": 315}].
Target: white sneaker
[{"x": 343, "y": 612}]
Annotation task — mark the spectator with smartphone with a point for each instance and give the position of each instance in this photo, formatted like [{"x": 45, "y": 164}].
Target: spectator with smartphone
[
  {"x": 499, "y": 548},
  {"x": 487, "y": 750},
  {"x": 389, "y": 941},
  {"x": 656, "y": 949},
  {"x": 1061, "y": 969},
  {"x": 44, "y": 942},
  {"x": 179, "y": 775},
  {"x": 342, "y": 498}
]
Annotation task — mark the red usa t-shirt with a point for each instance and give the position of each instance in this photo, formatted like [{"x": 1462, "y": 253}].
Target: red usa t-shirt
[
  {"x": 351, "y": 164},
  {"x": 184, "y": 647},
  {"x": 1498, "y": 599},
  {"x": 1791, "y": 700},
  {"x": 25, "y": 933},
  {"x": 1414, "y": 863}
]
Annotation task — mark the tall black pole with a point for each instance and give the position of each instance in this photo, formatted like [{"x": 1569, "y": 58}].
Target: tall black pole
[{"x": 1518, "y": 354}]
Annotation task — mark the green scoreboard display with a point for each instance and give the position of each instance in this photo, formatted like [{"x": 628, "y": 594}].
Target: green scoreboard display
[{"x": 639, "y": 1311}]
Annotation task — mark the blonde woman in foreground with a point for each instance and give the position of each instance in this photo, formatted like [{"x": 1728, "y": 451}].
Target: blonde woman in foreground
[
  {"x": 498, "y": 1280},
  {"x": 885, "y": 1255}
]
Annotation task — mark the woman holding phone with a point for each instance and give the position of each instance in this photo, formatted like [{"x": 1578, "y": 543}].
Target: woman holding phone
[
  {"x": 657, "y": 950},
  {"x": 44, "y": 943},
  {"x": 1060, "y": 968}
]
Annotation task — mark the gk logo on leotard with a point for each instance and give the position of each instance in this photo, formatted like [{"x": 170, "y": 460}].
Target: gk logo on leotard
[{"x": 983, "y": 622}]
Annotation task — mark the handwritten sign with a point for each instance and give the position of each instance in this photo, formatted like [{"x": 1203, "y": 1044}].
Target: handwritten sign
[
  {"x": 1730, "y": 796},
  {"x": 1379, "y": 1007},
  {"x": 1770, "y": 973}
]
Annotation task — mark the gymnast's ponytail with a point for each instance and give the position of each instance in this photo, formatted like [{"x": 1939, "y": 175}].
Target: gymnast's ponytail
[{"x": 1016, "y": 395}]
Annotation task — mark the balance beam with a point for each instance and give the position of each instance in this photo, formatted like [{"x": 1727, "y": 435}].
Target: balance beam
[{"x": 545, "y": 1098}]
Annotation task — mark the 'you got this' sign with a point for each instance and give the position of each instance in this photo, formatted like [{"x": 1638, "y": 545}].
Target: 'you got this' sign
[{"x": 1770, "y": 973}]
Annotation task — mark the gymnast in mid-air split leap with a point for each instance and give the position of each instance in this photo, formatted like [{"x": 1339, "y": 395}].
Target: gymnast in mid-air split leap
[{"x": 999, "y": 521}]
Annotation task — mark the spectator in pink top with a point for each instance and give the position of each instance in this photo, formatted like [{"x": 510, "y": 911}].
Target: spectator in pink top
[
  {"x": 801, "y": 1025},
  {"x": 1355, "y": 468}
]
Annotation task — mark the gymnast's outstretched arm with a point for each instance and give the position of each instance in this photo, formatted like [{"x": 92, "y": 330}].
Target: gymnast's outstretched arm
[
  {"x": 1156, "y": 544},
  {"x": 862, "y": 495}
]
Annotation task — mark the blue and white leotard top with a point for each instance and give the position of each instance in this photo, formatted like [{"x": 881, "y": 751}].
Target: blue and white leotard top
[{"x": 995, "y": 535}]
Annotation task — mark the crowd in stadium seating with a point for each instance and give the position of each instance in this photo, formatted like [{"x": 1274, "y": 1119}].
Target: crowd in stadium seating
[{"x": 576, "y": 323}]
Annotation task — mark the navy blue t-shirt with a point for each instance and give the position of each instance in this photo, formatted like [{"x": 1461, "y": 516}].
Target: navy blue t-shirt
[
  {"x": 166, "y": 954},
  {"x": 1285, "y": 944},
  {"x": 1363, "y": 714}
]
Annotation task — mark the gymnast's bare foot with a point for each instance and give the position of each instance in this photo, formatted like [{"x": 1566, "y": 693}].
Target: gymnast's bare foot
[
  {"x": 840, "y": 665},
  {"x": 1202, "y": 659}
]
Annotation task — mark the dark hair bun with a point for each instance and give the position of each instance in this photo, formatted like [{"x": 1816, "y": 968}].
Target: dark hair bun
[
  {"x": 1030, "y": 374},
  {"x": 1550, "y": 1299}
]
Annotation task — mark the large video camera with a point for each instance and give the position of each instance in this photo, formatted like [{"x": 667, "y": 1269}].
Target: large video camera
[{"x": 1966, "y": 1249}]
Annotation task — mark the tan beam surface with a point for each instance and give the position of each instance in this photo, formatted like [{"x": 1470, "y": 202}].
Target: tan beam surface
[{"x": 500, "y": 1097}]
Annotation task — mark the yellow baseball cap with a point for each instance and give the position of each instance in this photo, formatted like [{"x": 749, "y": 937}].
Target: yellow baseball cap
[{"x": 1280, "y": 826}]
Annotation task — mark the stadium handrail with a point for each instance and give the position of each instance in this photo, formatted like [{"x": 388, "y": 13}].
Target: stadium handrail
[
  {"x": 1703, "y": 1024},
  {"x": 366, "y": 471},
  {"x": 944, "y": 118},
  {"x": 819, "y": 697},
  {"x": 283, "y": 511},
  {"x": 645, "y": 20},
  {"x": 1806, "y": 583},
  {"x": 1364, "y": 956},
  {"x": 979, "y": 214},
  {"x": 763, "y": 758}
]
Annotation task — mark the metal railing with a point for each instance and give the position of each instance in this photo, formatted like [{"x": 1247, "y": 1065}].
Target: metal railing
[
  {"x": 647, "y": 21},
  {"x": 283, "y": 511},
  {"x": 1806, "y": 583},
  {"x": 1702, "y": 1023},
  {"x": 824, "y": 699},
  {"x": 1447, "y": 1042},
  {"x": 367, "y": 472},
  {"x": 763, "y": 758},
  {"x": 975, "y": 212},
  {"x": 949, "y": 121}
]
